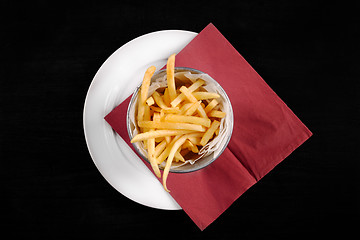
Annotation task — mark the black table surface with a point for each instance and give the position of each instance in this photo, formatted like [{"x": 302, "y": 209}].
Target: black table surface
[{"x": 50, "y": 54}]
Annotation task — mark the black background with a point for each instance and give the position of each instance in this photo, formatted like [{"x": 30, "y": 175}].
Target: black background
[{"x": 50, "y": 54}]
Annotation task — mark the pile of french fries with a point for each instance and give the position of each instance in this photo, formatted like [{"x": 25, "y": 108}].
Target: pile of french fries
[{"x": 175, "y": 122}]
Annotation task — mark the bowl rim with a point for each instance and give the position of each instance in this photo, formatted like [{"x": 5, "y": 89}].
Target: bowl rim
[{"x": 134, "y": 94}]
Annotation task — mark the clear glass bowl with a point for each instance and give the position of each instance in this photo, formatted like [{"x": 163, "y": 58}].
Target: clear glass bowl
[{"x": 202, "y": 162}]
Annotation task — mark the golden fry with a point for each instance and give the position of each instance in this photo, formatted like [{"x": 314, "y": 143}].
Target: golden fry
[
  {"x": 150, "y": 101},
  {"x": 140, "y": 110},
  {"x": 209, "y": 133},
  {"x": 211, "y": 105},
  {"x": 152, "y": 159},
  {"x": 205, "y": 95},
  {"x": 157, "y": 133},
  {"x": 188, "y": 119},
  {"x": 146, "y": 83},
  {"x": 217, "y": 114},
  {"x": 170, "y": 69},
  {"x": 171, "y": 125}
]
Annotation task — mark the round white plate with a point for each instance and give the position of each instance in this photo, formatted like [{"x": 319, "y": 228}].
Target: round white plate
[{"x": 116, "y": 79}]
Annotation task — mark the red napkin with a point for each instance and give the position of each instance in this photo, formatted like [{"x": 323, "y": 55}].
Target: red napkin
[{"x": 265, "y": 130}]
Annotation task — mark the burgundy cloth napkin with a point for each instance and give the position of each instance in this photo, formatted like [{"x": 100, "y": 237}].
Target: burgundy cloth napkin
[{"x": 265, "y": 130}]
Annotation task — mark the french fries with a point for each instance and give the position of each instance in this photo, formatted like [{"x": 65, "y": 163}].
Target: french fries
[{"x": 176, "y": 122}]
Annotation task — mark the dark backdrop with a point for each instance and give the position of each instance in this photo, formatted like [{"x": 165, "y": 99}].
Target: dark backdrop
[{"x": 50, "y": 53}]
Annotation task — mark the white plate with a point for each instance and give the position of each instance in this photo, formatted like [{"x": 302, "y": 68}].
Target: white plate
[{"x": 113, "y": 83}]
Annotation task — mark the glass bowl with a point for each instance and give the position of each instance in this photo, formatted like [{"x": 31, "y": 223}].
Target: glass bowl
[{"x": 203, "y": 161}]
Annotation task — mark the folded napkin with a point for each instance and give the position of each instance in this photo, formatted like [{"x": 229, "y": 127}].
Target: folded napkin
[{"x": 265, "y": 130}]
